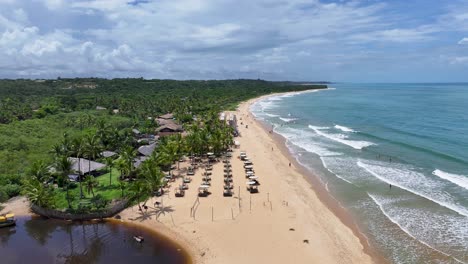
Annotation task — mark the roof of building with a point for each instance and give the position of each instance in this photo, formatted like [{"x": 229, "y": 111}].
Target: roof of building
[
  {"x": 147, "y": 150},
  {"x": 108, "y": 153},
  {"x": 85, "y": 166},
  {"x": 170, "y": 127},
  {"x": 167, "y": 116},
  {"x": 162, "y": 121},
  {"x": 139, "y": 160}
]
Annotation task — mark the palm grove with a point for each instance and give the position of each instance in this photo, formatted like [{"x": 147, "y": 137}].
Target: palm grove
[{"x": 52, "y": 120}]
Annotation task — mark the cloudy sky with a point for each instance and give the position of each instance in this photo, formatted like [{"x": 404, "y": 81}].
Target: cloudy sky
[{"x": 355, "y": 41}]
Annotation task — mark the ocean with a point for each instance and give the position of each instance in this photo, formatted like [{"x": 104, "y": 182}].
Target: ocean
[{"x": 394, "y": 155}]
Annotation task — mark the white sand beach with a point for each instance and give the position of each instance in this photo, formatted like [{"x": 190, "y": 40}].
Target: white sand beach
[{"x": 285, "y": 222}]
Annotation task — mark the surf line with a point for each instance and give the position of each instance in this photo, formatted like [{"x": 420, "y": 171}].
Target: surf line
[
  {"x": 408, "y": 232},
  {"x": 457, "y": 210}
]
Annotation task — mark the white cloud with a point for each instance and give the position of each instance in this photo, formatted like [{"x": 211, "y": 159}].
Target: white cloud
[
  {"x": 397, "y": 35},
  {"x": 460, "y": 60},
  {"x": 463, "y": 41},
  {"x": 203, "y": 38},
  {"x": 53, "y": 4}
]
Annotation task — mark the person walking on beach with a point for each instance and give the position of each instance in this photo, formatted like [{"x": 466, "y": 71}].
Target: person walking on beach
[
  {"x": 390, "y": 186},
  {"x": 289, "y": 164}
]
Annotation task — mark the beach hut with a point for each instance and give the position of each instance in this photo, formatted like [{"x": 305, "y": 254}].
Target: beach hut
[
  {"x": 187, "y": 180},
  {"x": 167, "y": 116},
  {"x": 252, "y": 187},
  {"x": 227, "y": 192},
  {"x": 203, "y": 190},
  {"x": 147, "y": 150},
  {"x": 85, "y": 166},
  {"x": 179, "y": 192}
]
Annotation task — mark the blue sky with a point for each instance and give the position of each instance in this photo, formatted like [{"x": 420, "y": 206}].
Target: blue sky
[{"x": 353, "y": 41}]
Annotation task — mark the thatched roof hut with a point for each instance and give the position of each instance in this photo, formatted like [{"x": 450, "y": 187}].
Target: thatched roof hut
[
  {"x": 167, "y": 116},
  {"x": 147, "y": 150},
  {"x": 139, "y": 160},
  {"x": 85, "y": 166},
  {"x": 169, "y": 129}
]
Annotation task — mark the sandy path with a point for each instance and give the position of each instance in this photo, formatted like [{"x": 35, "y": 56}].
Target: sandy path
[{"x": 18, "y": 205}]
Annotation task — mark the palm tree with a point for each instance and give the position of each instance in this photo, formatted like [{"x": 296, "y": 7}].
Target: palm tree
[
  {"x": 63, "y": 165},
  {"x": 40, "y": 171},
  {"x": 38, "y": 193},
  {"x": 138, "y": 189},
  {"x": 151, "y": 175},
  {"x": 166, "y": 155},
  {"x": 179, "y": 147},
  {"x": 109, "y": 163},
  {"x": 79, "y": 148},
  {"x": 91, "y": 183},
  {"x": 92, "y": 149},
  {"x": 122, "y": 187},
  {"x": 127, "y": 158}
]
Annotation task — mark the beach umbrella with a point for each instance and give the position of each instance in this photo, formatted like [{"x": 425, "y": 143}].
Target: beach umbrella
[{"x": 251, "y": 183}]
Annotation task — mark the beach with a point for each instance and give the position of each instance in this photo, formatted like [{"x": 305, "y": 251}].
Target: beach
[{"x": 286, "y": 221}]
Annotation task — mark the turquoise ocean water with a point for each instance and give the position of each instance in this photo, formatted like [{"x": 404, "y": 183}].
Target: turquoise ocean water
[{"x": 361, "y": 138}]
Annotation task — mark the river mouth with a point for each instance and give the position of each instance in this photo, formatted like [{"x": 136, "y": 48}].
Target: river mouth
[{"x": 39, "y": 240}]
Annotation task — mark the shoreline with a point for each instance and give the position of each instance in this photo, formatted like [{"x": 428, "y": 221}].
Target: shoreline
[
  {"x": 287, "y": 213},
  {"x": 316, "y": 184}
]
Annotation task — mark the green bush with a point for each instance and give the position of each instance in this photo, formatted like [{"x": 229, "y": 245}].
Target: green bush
[
  {"x": 3, "y": 196},
  {"x": 99, "y": 201},
  {"x": 12, "y": 189}
]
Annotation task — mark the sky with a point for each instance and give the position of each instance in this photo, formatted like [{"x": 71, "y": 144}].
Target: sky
[{"x": 297, "y": 40}]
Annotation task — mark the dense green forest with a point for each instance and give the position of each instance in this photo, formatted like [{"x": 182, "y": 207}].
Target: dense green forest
[
  {"x": 36, "y": 114},
  {"x": 25, "y": 99}
]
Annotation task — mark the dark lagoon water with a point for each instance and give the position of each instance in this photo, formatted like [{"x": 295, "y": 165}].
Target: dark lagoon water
[
  {"x": 37, "y": 240},
  {"x": 361, "y": 138}
]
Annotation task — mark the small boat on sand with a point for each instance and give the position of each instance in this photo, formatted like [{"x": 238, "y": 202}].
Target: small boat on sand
[{"x": 7, "y": 220}]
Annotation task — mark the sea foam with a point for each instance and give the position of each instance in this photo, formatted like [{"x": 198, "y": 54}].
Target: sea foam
[
  {"x": 287, "y": 120},
  {"x": 305, "y": 140},
  {"x": 342, "y": 139},
  {"x": 459, "y": 180},
  {"x": 344, "y": 129},
  {"x": 271, "y": 115},
  {"x": 417, "y": 227},
  {"x": 415, "y": 183}
]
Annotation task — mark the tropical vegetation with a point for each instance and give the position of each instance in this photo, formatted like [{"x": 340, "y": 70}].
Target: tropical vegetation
[{"x": 43, "y": 123}]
